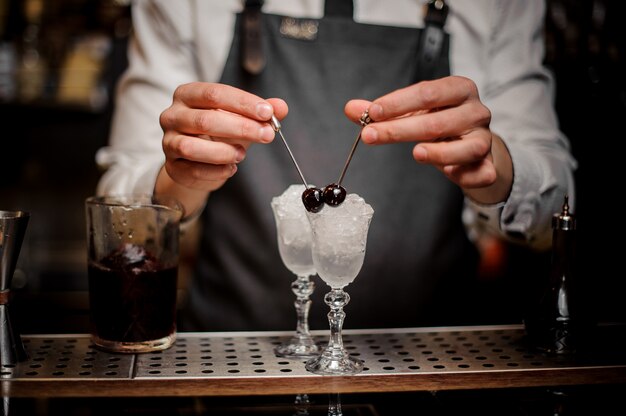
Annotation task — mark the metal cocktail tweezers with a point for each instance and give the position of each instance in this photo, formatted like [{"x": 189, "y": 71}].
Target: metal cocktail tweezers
[
  {"x": 278, "y": 128},
  {"x": 364, "y": 120}
]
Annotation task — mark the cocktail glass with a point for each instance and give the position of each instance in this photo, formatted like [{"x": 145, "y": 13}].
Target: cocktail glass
[
  {"x": 294, "y": 245},
  {"x": 339, "y": 240}
]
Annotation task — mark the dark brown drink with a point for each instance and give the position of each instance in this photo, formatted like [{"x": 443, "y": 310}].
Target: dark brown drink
[{"x": 132, "y": 296}]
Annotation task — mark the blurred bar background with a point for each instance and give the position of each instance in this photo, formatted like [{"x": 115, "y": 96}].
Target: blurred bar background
[{"x": 60, "y": 59}]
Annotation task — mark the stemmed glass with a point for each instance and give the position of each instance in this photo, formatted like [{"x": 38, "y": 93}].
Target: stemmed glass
[
  {"x": 294, "y": 245},
  {"x": 339, "y": 240}
]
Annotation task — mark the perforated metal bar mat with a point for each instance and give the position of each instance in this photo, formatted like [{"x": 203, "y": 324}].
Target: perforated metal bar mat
[{"x": 244, "y": 363}]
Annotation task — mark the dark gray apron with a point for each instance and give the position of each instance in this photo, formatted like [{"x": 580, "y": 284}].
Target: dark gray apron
[{"x": 418, "y": 261}]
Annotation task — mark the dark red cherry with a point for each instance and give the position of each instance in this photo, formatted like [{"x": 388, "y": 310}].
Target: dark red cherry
[
  {"x": 334, "y": 194},
  {"x": 312, "y": 199}
]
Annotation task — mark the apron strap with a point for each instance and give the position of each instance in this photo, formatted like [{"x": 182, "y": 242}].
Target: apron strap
[
  {"x": 429, "y": 52},
  {"x": 340, "y": 8},
  {"x": 252, "y": 56}
]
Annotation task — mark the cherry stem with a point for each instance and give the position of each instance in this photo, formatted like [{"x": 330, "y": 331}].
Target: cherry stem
[
  {"x": 277, "y": 128},
  {"x": 364, "y": 120}
]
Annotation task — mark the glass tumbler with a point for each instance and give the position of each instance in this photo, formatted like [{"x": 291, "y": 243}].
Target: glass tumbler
[{"x": 133, "y": 254}]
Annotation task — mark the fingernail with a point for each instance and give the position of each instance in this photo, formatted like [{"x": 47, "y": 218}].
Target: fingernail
[
  {"x": 266, "y": 133},
  {"x": 369, "y": 135},
  {"x": 233, "y": 169},
  {"x": 264, "y": 110},
  {"x": 376, "y": 112},
  {"x": 241, "y": 154},
  {"x": 419, "y": 153}
]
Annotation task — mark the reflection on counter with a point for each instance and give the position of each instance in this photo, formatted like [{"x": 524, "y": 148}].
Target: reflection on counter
[{"x": 572, "y": 401}]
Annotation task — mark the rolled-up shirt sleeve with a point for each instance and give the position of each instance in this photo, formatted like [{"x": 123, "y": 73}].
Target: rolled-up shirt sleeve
[
  {"x": 160, "y": 58},
  {"x": 519, "y": 92}
]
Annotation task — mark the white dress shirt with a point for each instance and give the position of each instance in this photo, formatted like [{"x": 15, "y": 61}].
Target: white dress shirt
[{"x": 496, "y": 43}]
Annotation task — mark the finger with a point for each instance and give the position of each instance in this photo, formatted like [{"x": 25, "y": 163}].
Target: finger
[
  {"x": 218, "y": 123},
  {"x": 197, "y": 175},
  {"x": 202, "y": 150},
  {"x": 470, "y": 149},
  {"x": 355, "y": 108},
  {"x": 444, "y": 92},
  {"x": 281, "y": 109},
  {"x": 206, "y": 95},
  {"x": 477, "y": 175},
  {"x": 233, "y": 142},
  {"x": 450, "y": 122}
]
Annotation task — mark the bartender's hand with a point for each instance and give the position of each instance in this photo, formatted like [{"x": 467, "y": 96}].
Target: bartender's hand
[
  {"x": 207, "y": 130},
  {"x": 451, "y": 126}
]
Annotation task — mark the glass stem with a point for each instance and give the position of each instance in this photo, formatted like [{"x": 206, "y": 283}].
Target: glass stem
[
  {"x": 336, "y": 299},
  {"x": 302, "y": 287}
]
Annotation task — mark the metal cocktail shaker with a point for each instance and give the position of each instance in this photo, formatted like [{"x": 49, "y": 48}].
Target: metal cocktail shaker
[{"x": 12, "y": 230}]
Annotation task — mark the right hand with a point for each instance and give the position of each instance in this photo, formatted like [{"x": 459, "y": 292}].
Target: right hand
[{"x": 207, "y": 130}]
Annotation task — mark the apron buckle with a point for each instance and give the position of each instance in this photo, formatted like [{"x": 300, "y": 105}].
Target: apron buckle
[{"x": 299, "y": 29}]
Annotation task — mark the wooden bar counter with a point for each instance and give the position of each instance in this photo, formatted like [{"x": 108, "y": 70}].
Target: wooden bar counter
[{"x": 243, "y": 364}]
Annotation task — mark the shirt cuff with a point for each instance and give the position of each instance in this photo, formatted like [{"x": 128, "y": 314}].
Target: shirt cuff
[
  {"x": 487, "y": 215},
  {"x": 517, "y": 218}
]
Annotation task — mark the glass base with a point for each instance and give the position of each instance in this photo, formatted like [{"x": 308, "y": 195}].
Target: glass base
[
  {"x": 298, "y": 348},
  {"x": 134, "y": 347},
  {"x": 334, "y": 364}
]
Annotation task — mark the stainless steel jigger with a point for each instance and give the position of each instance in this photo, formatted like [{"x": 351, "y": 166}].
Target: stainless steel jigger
[{"x": 12, "y": 229}]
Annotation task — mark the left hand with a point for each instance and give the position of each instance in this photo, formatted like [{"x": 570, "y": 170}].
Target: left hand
[{"x": 451, "y": 126}]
